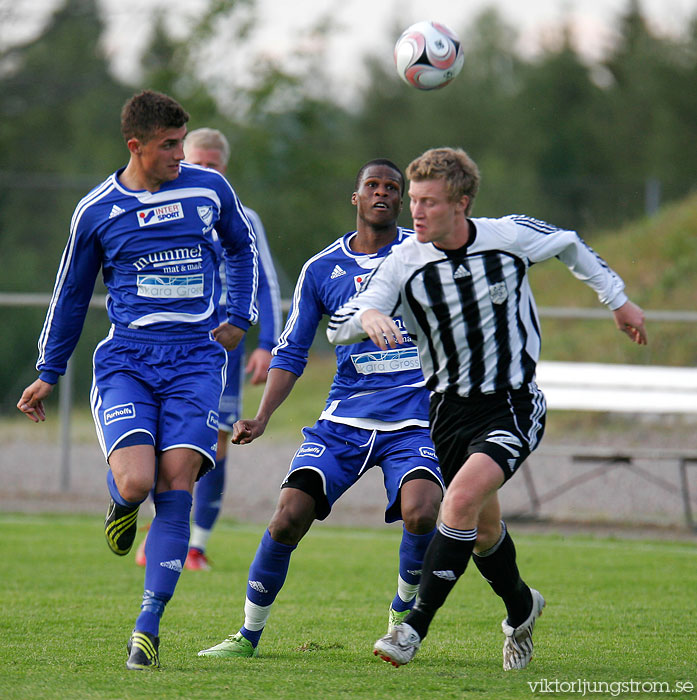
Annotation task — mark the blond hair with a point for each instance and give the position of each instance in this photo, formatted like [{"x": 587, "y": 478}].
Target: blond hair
[
  {"x": 454, "y": 166},
  {"x": 209, "y": 139}
]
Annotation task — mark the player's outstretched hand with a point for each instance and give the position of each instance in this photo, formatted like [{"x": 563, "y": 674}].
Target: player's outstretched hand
[
  {"x": 228, "y": 336},
  {"x": 245, "y": 431},
  {"x": 381, "y": 329},
  {"x": 258, "y": 366},
  {"x": 31, "y": 404},
  {"x": 629, "y": 318}
]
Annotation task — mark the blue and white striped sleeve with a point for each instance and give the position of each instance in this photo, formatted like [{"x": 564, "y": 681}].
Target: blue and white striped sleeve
[
  {"x": 77, "y": 273},
  {"x": 269, "y": 292},
  {"x": 241, "y": 259}
]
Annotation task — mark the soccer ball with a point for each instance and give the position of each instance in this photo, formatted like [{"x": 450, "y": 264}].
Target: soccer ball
[{"x": 428, "y": 55}]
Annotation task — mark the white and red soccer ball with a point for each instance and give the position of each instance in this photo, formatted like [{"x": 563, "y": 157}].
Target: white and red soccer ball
[{"x": 428, "y": 55}]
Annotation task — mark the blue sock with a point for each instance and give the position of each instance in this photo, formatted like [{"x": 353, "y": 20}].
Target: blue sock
[
  {"x": 116, "y": 495},
  {"x": 412, "y": 550},
  {"x": 209, "y": 495},
  {"x": 165, "y": 551},
  {"x": 267, "y": 574}
]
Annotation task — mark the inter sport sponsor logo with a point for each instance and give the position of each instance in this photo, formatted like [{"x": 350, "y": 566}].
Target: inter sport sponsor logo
[
  {"x": 399, "y": 360},
  {"x": 121, "y": 412},
  {"x": 170, "y": 286},
  {"x": 310, "y": 449},
  {"x": 161, "y": 214}
]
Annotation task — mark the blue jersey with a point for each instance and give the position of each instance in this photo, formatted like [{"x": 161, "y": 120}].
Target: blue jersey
[
  {"x": 158, "y": 261},
  {"x": 372, "y": 388},
  {"x": 269, "y": 291}
]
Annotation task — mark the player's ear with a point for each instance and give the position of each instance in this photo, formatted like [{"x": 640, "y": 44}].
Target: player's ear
[
  {"x": 134, "y": 146},
  {"x": 354, "y": 198}
]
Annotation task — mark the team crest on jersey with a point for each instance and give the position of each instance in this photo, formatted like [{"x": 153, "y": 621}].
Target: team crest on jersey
[
  {"x": 359, "y": 279},
  {"x": 206, "y": 214},
  {"x": 161, "y": 214},
  {"x": 498, "y": 292}
]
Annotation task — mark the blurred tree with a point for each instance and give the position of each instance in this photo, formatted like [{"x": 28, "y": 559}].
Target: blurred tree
[
  {"x": 59, "y": 137},
  {"x": 653, "y": 105},
  {"x": 561, "y": 113}
]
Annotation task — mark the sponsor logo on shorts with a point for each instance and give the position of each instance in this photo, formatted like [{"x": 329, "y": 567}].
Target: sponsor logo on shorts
[
  {"x": 386, "y": 361},
  {"x": 212, "y": 421},
  {"x": 170, "y": 286},
  {"x": 161, "y": 214},
  {"x": 505, "y": 439},
  {"x": 121, "y": 412},
  {"x": 310, "y": 449},
  {"x": 428, "y": 452}
]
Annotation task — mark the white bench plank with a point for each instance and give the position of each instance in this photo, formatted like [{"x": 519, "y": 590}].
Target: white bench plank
[{"x": 584, "y": 386}]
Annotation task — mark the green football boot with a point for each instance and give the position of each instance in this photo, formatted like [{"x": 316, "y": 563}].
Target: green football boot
[
  {"x": 395, "y": 618},
  {"x": 235, "y": 646}
]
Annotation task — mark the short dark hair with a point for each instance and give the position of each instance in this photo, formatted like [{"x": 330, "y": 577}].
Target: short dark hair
[
  {"x": 380, "y": 161},
  {"x": 148, "y": 112}
]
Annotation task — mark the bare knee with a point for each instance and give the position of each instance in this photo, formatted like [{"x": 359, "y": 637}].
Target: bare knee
[
  {"x": 420, "y": 502},
  {"x": 134, "y": 487},
  {"x": 488, "y": 535},
  {"x": 293, "y": 517}
]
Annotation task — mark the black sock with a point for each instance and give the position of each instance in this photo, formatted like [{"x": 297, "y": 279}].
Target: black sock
[
  {"x": 498, "y": 566},
  {"x": 445, "y": 561}
]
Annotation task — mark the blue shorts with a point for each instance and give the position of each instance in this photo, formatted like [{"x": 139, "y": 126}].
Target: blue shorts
[
  {"x": 157, "y": 388},
  {"x": 230, "y": 408},
  {"x": 341, "y": 454}
]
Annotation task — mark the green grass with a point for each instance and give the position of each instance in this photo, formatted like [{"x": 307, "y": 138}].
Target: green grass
[{"x": 617, "y": 611}]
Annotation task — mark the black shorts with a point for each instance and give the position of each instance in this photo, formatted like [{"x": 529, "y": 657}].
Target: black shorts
[{"x": 506, "y": 425}]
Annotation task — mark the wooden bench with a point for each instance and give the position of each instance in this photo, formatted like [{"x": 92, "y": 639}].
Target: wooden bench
[{"x": 578, "y": 386}]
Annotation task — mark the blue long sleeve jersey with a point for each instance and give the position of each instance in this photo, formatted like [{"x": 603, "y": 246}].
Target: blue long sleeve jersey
[
  {"x": 269, "y": 291},
  {"x": 372, "y": 388},
  {"x": 158, "y": 261}
]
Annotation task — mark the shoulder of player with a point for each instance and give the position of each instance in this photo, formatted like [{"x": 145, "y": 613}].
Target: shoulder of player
[
  {"x": 98, "y": 204},
  {"x": 191, "y": 175},
  {"x": 328, "y": 256}
]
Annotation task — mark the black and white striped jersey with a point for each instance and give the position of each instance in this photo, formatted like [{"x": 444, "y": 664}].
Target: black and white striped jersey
[{"x": 471, "y": 311}]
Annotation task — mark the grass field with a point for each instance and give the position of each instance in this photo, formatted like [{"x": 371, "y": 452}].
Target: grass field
[{"x": 618, "y": 611}]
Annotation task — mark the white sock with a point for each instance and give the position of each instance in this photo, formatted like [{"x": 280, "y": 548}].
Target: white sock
[
  {"x": 406, "y": 591},
  {"x": 255, "y": 616},
  {"x": 199, "y": 537}
]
